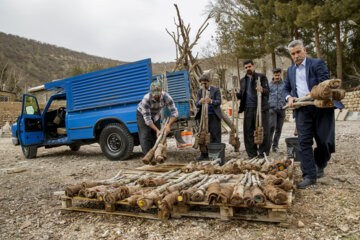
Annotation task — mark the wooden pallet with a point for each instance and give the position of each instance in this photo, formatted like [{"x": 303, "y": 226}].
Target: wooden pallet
[{"x": 268, "y": 213}]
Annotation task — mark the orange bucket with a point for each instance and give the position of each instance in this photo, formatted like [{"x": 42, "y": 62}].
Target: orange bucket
[
  {"x": 187, "y": 137},
  {"x": 230, "y": 112}
]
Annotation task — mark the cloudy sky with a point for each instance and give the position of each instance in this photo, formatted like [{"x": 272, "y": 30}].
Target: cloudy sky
[{"x": 127, "y": 30}]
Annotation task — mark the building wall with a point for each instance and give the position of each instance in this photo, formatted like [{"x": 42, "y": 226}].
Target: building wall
[{"x": 7, "y": 96}]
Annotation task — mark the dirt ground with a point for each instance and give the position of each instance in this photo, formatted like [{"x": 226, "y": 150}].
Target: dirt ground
[{"x": 30, "y": 209}]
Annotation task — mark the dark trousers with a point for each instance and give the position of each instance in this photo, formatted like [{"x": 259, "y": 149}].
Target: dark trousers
[
  {"x": 147, "y": 136},
  {"x": 249, "y": 128},
  {"x": 277, "y": 117},
  {"x": 214, "y": 130},
  {"x": 312, "y": 122}
]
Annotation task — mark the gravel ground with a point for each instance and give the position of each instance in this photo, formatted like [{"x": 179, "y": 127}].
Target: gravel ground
[{"x": 30, "y": 209}]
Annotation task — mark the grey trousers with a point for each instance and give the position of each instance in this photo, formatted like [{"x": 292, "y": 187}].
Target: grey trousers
[
  {"x": 277, "y": 117},
  {"x": 147, "y": 136}
]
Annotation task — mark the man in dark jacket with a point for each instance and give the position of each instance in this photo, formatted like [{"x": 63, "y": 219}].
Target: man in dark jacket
[
  {"x": 277, "y": 114},
  {"x": 214, "y": 111},
  {"x": 311, "y": 122},
  {"x": 248, "y": 103}
]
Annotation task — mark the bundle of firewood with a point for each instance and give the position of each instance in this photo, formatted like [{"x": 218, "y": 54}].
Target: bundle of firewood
[
  {"x": 322, "y": 95},
  {"x": 158, "y": 153}
]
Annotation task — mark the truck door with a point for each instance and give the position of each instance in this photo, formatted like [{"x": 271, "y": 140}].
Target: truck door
[{"x": 30, "y": 127}]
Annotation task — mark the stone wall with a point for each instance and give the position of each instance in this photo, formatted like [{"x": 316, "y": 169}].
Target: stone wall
[
  {"x": 352, "y": 101},
  {"x": 9, "y": 111}
]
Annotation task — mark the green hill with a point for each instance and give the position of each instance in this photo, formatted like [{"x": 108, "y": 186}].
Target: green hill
[{"x": 35, "y": 63}]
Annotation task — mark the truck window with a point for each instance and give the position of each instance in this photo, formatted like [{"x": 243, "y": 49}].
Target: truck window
[{"x": 30, "y": 106}]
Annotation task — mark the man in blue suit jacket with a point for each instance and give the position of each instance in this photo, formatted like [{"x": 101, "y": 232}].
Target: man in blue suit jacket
[
  {"x": 214, "y": 111},
  {"x": 311, "y": 122}
]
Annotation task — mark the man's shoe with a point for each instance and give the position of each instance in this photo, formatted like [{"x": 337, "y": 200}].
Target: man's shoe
[
  {"x": 307, "y": 182},
  {"x": 320, "y": 173},
  {"x": 276, "y": 149},
  {"x": 202, "y": 157}
]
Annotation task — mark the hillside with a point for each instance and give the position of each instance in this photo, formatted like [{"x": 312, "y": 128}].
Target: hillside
[{"x": 38, "y": 62}]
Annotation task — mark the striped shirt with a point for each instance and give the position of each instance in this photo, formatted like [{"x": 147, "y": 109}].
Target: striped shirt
[{"x": 151, "y": 109}]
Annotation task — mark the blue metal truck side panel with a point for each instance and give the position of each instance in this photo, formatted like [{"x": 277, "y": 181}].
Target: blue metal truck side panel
[
  {"x": 118, "y": 85},
  {"x": 178, "y": 85},
  {"x": 80, "y": 124}
]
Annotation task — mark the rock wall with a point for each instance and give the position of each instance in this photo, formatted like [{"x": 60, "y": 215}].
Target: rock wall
[{"x": 352, "y": 101}]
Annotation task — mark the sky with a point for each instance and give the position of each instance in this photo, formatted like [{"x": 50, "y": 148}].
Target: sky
[{"x": 125, "y": 30}]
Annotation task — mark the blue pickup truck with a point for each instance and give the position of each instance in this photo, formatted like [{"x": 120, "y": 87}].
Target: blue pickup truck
[{"x": 96, "y": 107}]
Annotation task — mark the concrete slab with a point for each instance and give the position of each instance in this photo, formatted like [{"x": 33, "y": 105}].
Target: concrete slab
[
  {"x": 353, "y": 116},
  {"x": 342, "y": 115}
]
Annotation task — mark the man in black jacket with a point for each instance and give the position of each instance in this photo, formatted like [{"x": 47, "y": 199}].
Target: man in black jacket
[
  {"x": 214, "y": 111},
  {"x": 248, "y": 103}
]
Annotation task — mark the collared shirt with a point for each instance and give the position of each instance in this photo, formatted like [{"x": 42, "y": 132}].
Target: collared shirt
[
  {"x": 301, "y": 84},
  {"x": 275, "y": 96},
  {"x": 251, "y": 98},
  {"x": 151, "y": 109}
]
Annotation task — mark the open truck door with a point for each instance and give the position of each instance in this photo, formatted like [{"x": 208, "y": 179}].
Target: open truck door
[{"x": 29, "y": 126}]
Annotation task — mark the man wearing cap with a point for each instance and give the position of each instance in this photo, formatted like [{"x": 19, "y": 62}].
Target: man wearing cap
[
  {"x": 277, "y": 114},
  {"x": 214, "y": 111},
  {"x": 148, "y": 115}
]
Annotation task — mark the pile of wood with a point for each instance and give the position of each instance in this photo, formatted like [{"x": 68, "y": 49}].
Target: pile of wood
[
  {"x": 322, "y": 95},
  {"x": 250, "y": 183},
  {"x": 158, "y": 153}
]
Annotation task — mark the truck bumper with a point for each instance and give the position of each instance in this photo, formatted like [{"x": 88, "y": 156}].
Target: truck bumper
[{"x": 15, "y": 141}]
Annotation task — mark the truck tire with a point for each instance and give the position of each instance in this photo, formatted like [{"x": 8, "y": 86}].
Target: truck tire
[
  {"x": 74, "y": 147},
  {"x": 116, "y": 142},
  {"x": 29, "y": 152}
]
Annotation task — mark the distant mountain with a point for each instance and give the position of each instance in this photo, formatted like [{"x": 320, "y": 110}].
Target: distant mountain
[
  {"x": 34, "y": 63},
  {"x": 41, "y": 62}
]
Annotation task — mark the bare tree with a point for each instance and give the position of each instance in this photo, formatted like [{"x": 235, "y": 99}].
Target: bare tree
[{"x": 185, "y": 59}]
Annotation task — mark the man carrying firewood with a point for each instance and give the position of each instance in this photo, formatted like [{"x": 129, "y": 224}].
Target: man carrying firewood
[
  {"x": 214, "y": 112},
  {"x": 311, "y": 122},
  {"x": 249, "y": 104},
  {"x": 148, "y": 115}
]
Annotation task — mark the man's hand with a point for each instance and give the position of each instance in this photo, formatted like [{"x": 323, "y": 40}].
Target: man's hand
[
  {"x": 232, "y": 93},
  {"x": 202, "y": 100},
  {"x": 158, "y": 132},
  {"x": 259, "y": 88},
  {"x": 208, "y": 100},
  {"x": 205, "y": 100},
  {"x": 167, "y": 129},
  {"x": 291, "y": 101}
]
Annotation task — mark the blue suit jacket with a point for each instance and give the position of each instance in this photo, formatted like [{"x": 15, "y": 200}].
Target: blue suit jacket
[{"x": 316, "y": 72}]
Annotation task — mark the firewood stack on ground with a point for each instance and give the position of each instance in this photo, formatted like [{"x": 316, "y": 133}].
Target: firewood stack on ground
[{"x": 246, "y": 183}]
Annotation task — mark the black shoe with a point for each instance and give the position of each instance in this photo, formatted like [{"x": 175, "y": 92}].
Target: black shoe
[
  {"x": 261, "y": 156},
  {"x": 320, "y": 173},
  {"x": 307, "y": 182},
  {"x": 275, "y": 149},
  {"x": 202, "y": 157}
]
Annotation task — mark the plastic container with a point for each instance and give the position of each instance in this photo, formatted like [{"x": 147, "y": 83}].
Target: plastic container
[
  {"x": 187, "y": 137},
  {"x": 292, "y": 148},
  {"x": 230, "y": 112},
  {"x": 217, "y": 150}
]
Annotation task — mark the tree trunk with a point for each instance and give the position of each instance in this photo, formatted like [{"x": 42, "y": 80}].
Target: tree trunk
[
  {"x": 338, "y": 52},
  {"x": 296, "y": 33},
  {"x": 317, "y": 42},
  {"x": 273, "y": 59}
]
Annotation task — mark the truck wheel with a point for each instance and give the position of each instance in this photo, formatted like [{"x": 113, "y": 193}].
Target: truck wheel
[
  {"x": 74, "y": 147},
  {"x": 116, "y": 142},
  {"x": 29, "y": 152}
]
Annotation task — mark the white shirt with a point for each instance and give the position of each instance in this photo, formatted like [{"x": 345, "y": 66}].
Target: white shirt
[
  {"x": 301, "y": 84},
  {"x": 300, "y": 78}
]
